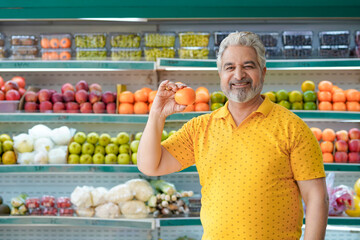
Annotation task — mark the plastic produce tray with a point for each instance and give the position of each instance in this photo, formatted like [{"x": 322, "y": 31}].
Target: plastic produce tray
[
  {"x": 334, "y": 38},
  {"x": 297, "y": 38}
]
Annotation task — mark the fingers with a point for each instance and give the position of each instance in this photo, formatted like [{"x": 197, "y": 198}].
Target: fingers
[
  {"x": 170, "y": 86},
  {"x": 179, "y": 108}
]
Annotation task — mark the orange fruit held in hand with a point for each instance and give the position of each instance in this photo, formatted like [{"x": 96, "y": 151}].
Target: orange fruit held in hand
[
  {"x": 189, "y": 108},
  {"x": 327, "y": 147},
  {"x": 328, "y": 158},
  {"x": 353, "y": 106},
  {"x": 339, "y": 96},
  {"x": 126, "y": 97},
  {"x": 324, "y": 96},
  {"x": 325, "y": 106},
  {"x": 339, "y": 106},
  {"x": 352, "y": 95},
  {"x": 328, "y": 135},
  {"x": 325, "y": 86},
  {"x": 126, "y": 108},
  {"x": 141, "y": 108},
  {"x": 185, "y": 96},
  {"x": 317, "y": 132},
  {"x": 140, "y": 96},
  {"x": 151, "y": 96},
  {"x": 201, "y": 107}
]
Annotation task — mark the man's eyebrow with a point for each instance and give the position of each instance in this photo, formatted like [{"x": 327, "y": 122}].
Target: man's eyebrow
[
  {"x": 250, "y": 62},
  {"x": 228, "y": 64}
]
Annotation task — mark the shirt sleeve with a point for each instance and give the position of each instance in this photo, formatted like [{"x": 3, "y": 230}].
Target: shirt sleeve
[
  {"x": 305, "y": 153},
  {"x": 180, "y": 144}
]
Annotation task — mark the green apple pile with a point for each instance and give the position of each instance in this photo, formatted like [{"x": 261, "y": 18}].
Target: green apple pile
[
  {"x": 218, "y": 99},
  {"x": 7, "y": 154},
  {"x": 99, "y": 149}
]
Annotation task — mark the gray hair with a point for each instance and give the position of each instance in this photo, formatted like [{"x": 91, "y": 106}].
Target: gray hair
[{"x": 243, "y": 39}]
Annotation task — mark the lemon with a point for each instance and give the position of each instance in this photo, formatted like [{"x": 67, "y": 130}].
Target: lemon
[
  {"x": 297, "y": 106},
  {"x": 285, "y": 104},
  {"x": 215, "y": 106},
  {"x": 355, "y": 212},
  {"x": 357, "y": 187},
  {"x": 271, "y": 95},
  {"x": 282, "y": 95},
  {"x": 217, "y": 97},
  {"x": 295, "y": 96},
  {"x": 308, "y": 86}
]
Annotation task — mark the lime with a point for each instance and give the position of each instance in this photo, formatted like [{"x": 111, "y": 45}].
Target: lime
[
  {"x": 308, "y": 86},
  {"x": 295, "y": 96},
  {"x": 217, "y": 97},
  {"x": 215, "y": 106},
  {"x": 285, "y": 104},
  {"x": 282, "y": 95},
  {"x": 310, "y": 106},
  {"x": 309, "y": 96},
  {"x": 271, "y": 95},
  {"x": 297, "y": 106}
]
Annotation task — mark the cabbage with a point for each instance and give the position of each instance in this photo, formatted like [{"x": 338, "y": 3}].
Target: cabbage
[
  {"x": 40, "y": 131},
  {"x": 57, "y": 156},
  {"x": 42, "y": 144},
  {"x": 61, "y": 136},
  {"x": 41, "y": 157}
]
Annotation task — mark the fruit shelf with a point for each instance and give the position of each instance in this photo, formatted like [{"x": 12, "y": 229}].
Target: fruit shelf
[
  {"x": 85, "y": 168},
  {"x": 141, "y": 118},
  {"x": 289, "y": 64},
  {"x": 75, "y": 65}
]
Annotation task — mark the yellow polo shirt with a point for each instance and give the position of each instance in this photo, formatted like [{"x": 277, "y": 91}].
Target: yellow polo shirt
[{"x": 248, "y": 173}]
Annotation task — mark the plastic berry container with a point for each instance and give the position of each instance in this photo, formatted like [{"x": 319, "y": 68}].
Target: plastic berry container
[
  {"x": 194, "y": 52},
  {"x": 273, "y": 52},
  {"x": 35, "y": 211},
  {"x": 334, "y": 38},
  {"x": 219, "y": 37},
  {"x": 159, "y": 39},
  {"x": 23, "y": 52},
  {"x": 63, "y": 202},
  {"x": 357, "y": 38},
  {"x": 341, "y": 51},
  {"x": 298, "y": 52},
  {"x": 69, "y": 212},
  {"x": 125, "y": 40},
  {"x": 151, "y": 54},
  {"x": 55, "y": 41},
  {"x": 90, "y": 40},
  {"x": 91, "y": 53},
  {"x": 297, "y": 38},
  {"x": 32, "y": 203},
  {"x": 49, "y": 211},
  {"x": 269, "y": 39},
  {"x": 23, "y": 40},
  {"x": 48, "y": 201},
  {"x": 133, "y": 54},
  {"x": 56, "y": 54},
  {"x": 194, "y": 39},
  {"x": 2, "y": 40}
]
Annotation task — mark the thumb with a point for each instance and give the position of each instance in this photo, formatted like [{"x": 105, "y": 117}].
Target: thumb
[{"x": 179, "y": 108}]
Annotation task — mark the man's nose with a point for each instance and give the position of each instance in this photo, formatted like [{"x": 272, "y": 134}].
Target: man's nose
[{"x": 239, "y": 73}]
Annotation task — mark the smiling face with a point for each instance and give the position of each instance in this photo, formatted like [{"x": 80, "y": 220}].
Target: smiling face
[{"x": 241, "y": 76}]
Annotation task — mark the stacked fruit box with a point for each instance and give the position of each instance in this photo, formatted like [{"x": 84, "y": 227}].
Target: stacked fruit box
[
  {"x": 125, "y": 46},
  {"x": 159, "y": 45},
  {"x": 90, "y": 46},
  {"x": 194, "y": 45},
  {"x": 56, "y": 46}
]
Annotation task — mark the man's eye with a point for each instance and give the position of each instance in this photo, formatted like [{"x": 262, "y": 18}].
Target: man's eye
[
  {"x": 229, "y": 68},
  {"x": 249, "y": 67}
]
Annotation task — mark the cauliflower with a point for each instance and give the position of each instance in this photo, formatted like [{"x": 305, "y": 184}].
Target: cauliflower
[
  {"x": 81, "y": 197},
  {"x": 134, "y": 209},
  {"x": 98, "y": 196},
  {"x": 107, "y": 210},
  {"x": 141, "y": 189},
  {"x": 85, "y": 212},
  {"x": 119, "y": 193}
]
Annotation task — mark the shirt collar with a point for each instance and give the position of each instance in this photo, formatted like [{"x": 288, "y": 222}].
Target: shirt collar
[{"x": 264, "y": 108}]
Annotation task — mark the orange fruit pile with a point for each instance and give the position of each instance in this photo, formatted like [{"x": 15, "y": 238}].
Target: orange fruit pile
[
  {"x": 331, "y": 97},
  {"x": 138, "y": 102},
  {"x": 195, "y": 100},
  {"x": 326, "y": 139}
]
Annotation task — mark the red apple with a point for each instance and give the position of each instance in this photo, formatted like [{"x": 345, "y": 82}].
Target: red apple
[
  {"x": 30, "y": 107},
  {"x": 30, "y": 96},
  {"x": 11, "y": 85},
  {"x": 354, "y": 157},
  {"x": 12, "y": 95},
  {"x": 95, "y": 87},
  {"x": 20, "y": 81},
  {"x": 59, "y": 107},
  {"x": 342, "y": 135},
  {"x": 94, "y": 96},
  {"x": 67, "y": 87},
  {"x": 57, "y": 97},
  {"x": 22, "y": 91},
  {"x": 99, "y": 107},
  {"x": 108, "y": 97},
  {"x": 45, "y": 106},
  {"x": 341, "y": 146},
  {"x": 69, "y": 96},
  {"x": 341, "y": 157},
  {"x": 82, "y": 85},
  {"x": 81, "y": 96},
  {"x": 52, "y": 91},
  {"x": 111, "y": 108},
  {"x": 354, "y": 133},
  {"x": 72, "y": 107},
  {"x": 44, "y": 95},
  {"x": 2, "y": 95},
  {"x": 86, "y": 107},
  {"x": 354, "y": 145},
  {"x": 2, "y": 82},
  {"x": 2, "y": 88}
]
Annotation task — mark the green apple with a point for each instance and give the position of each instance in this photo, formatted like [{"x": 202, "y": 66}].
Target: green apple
[
  {"x": 123, "y": 158},
  {"x": 4, "y": 137},
  {"x": 122, "y": 138},
  {"x": 124, "y": 148},
  {"x": 138, "y": 135},
  {"x": 73, "y": 159},
  {"x": 114, "y": 140},
  {"x": 134, "y": 158},
  {"x": 74, "y": 148},
  {"x": 112, "y": 148},
  {"x": 8, "y": 145},
  {"x": 92, "y": 137},
  {"x": 99, "y": 149},
  {"x": 171, "y": 133},
  {"x": 80, "y": 137},
  {"x": 86, "y": 159},
  {"x": 134, "y": 145},
  {"x": 104, "y": 139},
  {"x": 88, "y": 148},
  {"x": 164, "y": 135},
  {"x": 110, "y": 158},
  {"x": 98, "y": 158}
]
